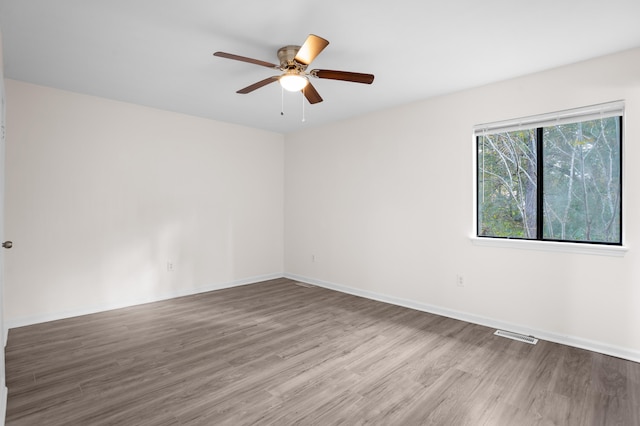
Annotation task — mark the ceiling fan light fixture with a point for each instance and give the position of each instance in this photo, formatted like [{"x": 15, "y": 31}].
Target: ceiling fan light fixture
[
  {"x": 293, "y": 81},
  {"x": 293, "y": 62}
]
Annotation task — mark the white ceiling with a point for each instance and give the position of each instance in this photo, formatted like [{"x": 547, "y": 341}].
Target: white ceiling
[{"x": 159, "y": 52}]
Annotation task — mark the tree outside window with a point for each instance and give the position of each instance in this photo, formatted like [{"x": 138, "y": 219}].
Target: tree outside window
[{"x": 556, "y": 182}]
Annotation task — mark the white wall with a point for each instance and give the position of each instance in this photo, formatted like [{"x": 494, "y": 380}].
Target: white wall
[
  {"x": 385, "y": 203},
  {"x": 100, "y": 195}
]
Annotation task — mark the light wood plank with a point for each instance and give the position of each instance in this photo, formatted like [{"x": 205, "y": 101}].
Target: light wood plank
[{"x": 278, "y": 353}]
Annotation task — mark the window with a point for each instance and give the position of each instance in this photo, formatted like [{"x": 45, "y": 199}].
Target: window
[{"x": 556, "y": 177}]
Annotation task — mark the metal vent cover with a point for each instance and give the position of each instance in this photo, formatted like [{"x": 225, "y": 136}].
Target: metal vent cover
[
  {"x": 515, "y": 336},
  {"x": 301, "y": 284}
]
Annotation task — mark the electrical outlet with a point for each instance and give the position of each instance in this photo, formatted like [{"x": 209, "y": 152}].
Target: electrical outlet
[
  {"x": 314, "y": 258},
  {"x": 169, "y": 266},
  {"x": 459, "y": 280}
]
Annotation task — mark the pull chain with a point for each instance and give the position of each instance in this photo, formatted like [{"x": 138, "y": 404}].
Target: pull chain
[
  {"x": 282, "y": 101},
  {"x": 282, "y": 104}
]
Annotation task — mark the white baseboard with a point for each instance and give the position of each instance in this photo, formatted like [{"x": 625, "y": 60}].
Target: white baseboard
[
  {"x": 37, "y": 319},
  {"x": 578, "y": 342}
]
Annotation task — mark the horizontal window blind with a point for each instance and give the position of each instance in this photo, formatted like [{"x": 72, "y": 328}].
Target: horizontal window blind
[{"x": 593, "y": 112}]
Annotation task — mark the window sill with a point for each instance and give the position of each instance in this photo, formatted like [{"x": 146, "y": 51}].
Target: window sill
[{"x": 552, "y": 246}]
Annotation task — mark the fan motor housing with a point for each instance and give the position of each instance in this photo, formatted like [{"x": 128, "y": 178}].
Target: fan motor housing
[{"x": 286, "y": 56}]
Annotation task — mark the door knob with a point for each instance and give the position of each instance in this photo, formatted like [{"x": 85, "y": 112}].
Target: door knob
[{"x": 7, "y": 244}]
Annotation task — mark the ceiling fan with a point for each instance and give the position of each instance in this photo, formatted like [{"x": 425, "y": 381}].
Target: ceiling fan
[{"x": 294, "y": 61}]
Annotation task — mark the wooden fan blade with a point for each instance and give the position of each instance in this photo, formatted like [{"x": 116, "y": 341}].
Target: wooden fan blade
[
  {"x": 311, "y": 94},
  {"x": 355, "y": 77},
  {"x": 311, "y": 48},
  {"x": 245, "y": 59},
  {"x": 257, "y": 85}
]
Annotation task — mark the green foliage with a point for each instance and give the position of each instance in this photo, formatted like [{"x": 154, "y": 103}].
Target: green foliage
[
  {"x": 506, "y": 184},
  {"x": 581, "y": 182}
]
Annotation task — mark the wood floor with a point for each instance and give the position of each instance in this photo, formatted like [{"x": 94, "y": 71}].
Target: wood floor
[{"x": 278, "y": 353}]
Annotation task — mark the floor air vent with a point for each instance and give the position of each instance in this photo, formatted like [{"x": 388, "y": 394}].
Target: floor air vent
[
  {"x": 515, "y": 336},
  {"x": 301, "y": 284}
]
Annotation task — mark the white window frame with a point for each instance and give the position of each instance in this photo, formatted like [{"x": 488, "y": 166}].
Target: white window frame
[{"x": 603, "y": 110}]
